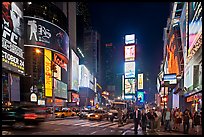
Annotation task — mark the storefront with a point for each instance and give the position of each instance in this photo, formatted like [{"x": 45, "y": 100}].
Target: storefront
[{"x": 194, "y": 101}]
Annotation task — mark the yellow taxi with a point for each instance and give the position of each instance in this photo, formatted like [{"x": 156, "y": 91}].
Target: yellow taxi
[
  {"x": 64, "y": 113},
  {"x": 97, "y": 115}
]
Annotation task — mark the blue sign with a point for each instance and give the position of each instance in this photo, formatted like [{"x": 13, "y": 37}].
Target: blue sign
[{"x": 140, "y": 96}]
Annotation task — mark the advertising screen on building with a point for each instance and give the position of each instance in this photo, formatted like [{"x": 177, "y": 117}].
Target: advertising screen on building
[
  {"x": 60, "y": 60},
  {"x": 130, "y": 53},
  {"x": 12, "y": 33},
  {"x": 129, "y": 86},
  {"x": 48, "y": 73},
  {"x": 75, "y": 98},
  {"x": 130, "y": 39},
  {"x": 140, "y": 96},
  {"x": 44, "y": 34},
  {"x": 129, "y": 69},
  {"x": 171, "y": 78},
  {"x": 140, "y": 81},
  {"x": 75, "y": 71},
  {"x": 57, "y": 74},
  {"x": 83, "y": 76},
  {"x": 60, "y": 89}
]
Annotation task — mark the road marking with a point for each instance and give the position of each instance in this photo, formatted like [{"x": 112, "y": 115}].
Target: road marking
[
  {"x": 81, "y": 123},
  {"x": 93, "y": 132},
  {"x": 126, "y": 132},
  {"x": 108, "y": 125}
]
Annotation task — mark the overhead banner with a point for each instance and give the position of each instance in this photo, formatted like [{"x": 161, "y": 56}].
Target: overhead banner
[
  {"x": 129, "y": 69},
  {"x": 48, "y": 73},
  {"x": 12, "y": 34},
  {"x": 129, "y": 86},
  {"x": 44, "y": 34},
  {"x": 130, "y": 53},
  {"x": 140, "y": 81}
]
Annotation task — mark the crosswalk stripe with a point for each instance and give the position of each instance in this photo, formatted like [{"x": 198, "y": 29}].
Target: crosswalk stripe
[
  {"x": 108, "y": 125},
  {"x": 81, "y": 123},
  {"x": 126, "y": 126}
]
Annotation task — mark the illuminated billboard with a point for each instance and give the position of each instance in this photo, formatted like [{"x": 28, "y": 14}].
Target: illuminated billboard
[
  {"x": 12, "y": 34},
  {"x": 48, "y": 73},
  {"x": 60, "y": 89},
  {"x": 75, "y": 71},
  {"x": 140, "y": 96},
  {"x": 171, "y": 78},
  {"x": 83, "y": 76},
  {"x": 130, "y": 53},
  {"x": 129, "y": 69},
  {"x": 44, "y": 34},
  {"x": 130, "y": 39},
  {"x": 75, "y": 98},
  {"x": 57, "y": 74},
  {"x": 140, "y": 81},
  {"x": 129, "y": 86}
]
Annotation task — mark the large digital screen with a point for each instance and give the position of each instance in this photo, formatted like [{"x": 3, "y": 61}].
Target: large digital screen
[
  {"x": 12, "y": 34},
  {"x": 48, "y": 73},
  {"x": 130, "y": 39},
  {"x": 75, "y": 98},
  {"x": 140, "y": 81},
  {"x": 83, "y": 76},
  {"x": 130, "y": 53},
  {"x": 140, "y": 96},
  {"x": 75, "y": 71},
  {"x": 129, "y": 86},
  {"x": 60, "y": 89},
  {"x": 129, "y": 69},
  {"x": 44, "y": 34}
]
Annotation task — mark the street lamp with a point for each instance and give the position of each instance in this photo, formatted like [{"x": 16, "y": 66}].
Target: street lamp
[{"x": 53, "y": 69}]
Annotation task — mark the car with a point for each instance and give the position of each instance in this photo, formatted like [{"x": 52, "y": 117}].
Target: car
[
  {"x": 98, "y": 115},
  {"x": 19, "y": 117},
  {"x": 64, "y": 113},
  {"x": 84, "y": 113}
]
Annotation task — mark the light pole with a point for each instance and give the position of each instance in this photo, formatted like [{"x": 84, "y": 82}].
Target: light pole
[{"x": 53, "y": 69}]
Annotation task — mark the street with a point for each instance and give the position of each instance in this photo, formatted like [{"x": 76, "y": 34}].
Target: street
[{"x": 76, "y": 126}]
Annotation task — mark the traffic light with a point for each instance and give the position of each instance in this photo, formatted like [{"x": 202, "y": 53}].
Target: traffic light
[{"x": 54, "y": 68}]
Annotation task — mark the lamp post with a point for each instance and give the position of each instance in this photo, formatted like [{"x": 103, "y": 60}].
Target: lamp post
[{"x": 53, "y": 69}]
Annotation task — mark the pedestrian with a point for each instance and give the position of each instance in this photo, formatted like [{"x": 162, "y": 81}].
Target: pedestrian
[
  {"x": 151, "y": 118},
  {"x": 120, "y": 115},
  {"x": 144, "y": 120},
  {"x": 174, "y": 118},
  {"x": 136, "y": 118},
  {"x": 196, "y": 121},
  {"x": 178, "y": 120},
  {"x": 186, "y": 119},
  {"x": 168, "y": 118},
  {"x": 159, "y": 117}
]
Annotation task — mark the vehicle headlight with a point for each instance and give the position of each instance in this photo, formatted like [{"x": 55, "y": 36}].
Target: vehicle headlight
[
  {"x": 109, "y": 113},
  {"x": 88, "y": 115},
  {"x": 96, "y": 115}
]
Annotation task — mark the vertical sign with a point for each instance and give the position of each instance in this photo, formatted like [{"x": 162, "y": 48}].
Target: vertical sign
[
  {"x": 140, "y": 81},
  {"x": 48, "y": 73}
]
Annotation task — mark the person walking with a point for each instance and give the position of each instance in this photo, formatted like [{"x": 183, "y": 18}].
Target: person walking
[
  {"x": 168, "y": 118},
  {"x": 178, "y": 119},
  {"x": 196, "y": 121},
  {"x": 144, "y": 120},
  {"x": 120, "y": 115},
  {"x": 136, "y": 118},
  {"x": 186, "y": 119},
  {"x": 151, "y": 118},
  {"x": 159, "y": 117}
]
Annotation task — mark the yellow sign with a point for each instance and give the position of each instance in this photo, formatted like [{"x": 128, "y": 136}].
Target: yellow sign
[
  {"x": 140, "y": 81},
  {"x": 48, "y": 73}
]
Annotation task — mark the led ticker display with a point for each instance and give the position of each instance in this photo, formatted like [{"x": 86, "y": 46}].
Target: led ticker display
[
  {"x": 140, "y": 96},
  {"x": 130, "y": 39},
  {"x": 130, "y": 53},
  {"x": 129, "y": 86},
  {"x": 140, "y": 81},
  {"x": 129, "y": 69}
]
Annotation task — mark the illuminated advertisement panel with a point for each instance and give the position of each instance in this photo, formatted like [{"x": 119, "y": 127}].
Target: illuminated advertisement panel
[
  {"x": 57, "y": 74},
  {"x": 130, "y": 39},
  {"x": 140, "y": 96},
  {"x": 129, "y": 86},
  {"x": 60, "y": 89},
  {"x": 48, "y": 73},
  {"x": 12, "y": 33},
  {"x": 60, "y": 60},
  {"x": 75, "y": 72},
  {"x": 140, "y": 81},
  {"x": 75, "y": 98},
  {"x": 83, "y": 76},
  {"x": 129, "y": 69},
  {"x": 130, "y": 53},
  {"x": 44, "y": 34},
  {"x": 171, "y": 78}
]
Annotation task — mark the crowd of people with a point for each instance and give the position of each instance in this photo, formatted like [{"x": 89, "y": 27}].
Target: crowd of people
[{"x": 168, "y": 120}]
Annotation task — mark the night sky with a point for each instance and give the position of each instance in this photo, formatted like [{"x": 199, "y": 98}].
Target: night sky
[{"x": 147, "y": 20}]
